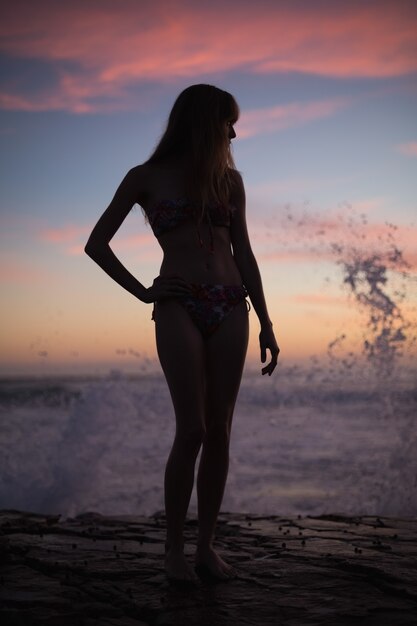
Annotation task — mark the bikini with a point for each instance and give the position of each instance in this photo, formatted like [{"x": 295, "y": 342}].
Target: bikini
[
  {"x": 168, "y": 214},
  {"x": 208, "y": 305}
]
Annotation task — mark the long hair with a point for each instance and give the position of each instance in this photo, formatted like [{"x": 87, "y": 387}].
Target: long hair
[{"x": 197, "y": 130}]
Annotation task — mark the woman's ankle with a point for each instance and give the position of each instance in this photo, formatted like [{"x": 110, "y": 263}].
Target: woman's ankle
[
  {"x": 204, "y": 545},
  {"x": 174, "y": 547}
]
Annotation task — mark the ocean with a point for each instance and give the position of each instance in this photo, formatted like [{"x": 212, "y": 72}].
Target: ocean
[{"x": 305, "y": 441}]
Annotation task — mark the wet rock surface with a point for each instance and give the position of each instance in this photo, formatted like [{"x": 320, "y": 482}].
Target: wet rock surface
[{"x": 96, "y": 569}]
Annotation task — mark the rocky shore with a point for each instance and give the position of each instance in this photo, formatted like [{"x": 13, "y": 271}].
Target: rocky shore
[{"x": 93, "y": 569}]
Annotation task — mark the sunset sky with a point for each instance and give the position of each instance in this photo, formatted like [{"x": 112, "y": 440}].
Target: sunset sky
[{"x": 326, "y": 143}]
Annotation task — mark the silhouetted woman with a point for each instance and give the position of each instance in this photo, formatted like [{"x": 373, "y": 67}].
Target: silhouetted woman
[{"x": 194, "y": 200}]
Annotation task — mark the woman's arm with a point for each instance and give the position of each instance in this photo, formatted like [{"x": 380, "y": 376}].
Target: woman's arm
[
  {"x": 248, "y": 268},
  {"x": 98, "y": 248}
]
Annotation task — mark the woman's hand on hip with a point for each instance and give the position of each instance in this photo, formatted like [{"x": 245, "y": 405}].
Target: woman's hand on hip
[
  {"x": 267, "y": 341},
  {"x": 164, "y": 287}
]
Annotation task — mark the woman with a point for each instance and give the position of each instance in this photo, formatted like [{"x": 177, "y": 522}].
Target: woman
[{"x": 194, "y": 200}]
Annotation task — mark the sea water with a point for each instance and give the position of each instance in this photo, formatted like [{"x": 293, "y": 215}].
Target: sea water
[{"x": 301, "y": 444}]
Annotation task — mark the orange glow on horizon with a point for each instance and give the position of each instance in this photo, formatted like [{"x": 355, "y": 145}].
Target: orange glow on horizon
[{"x": 118, "y": 330}]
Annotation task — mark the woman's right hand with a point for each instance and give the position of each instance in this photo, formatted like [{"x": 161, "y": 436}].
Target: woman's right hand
[{"x": 164, "y": 287}]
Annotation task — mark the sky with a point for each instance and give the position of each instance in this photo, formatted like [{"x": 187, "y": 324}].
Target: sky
[{"x": 326, "y": 144}]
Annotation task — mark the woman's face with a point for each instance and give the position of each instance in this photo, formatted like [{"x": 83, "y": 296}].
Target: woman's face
[{"x": 230, "y": 130}]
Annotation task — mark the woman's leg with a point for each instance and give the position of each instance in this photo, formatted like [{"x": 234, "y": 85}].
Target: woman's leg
[
  {"x": 181, "y": 352},
  {"x": 225, "y": 357}
]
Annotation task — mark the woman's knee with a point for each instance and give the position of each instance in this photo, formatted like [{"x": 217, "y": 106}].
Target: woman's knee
[
  {"x": 218, "y": 433},
  {"x": 190, "y": 438}
]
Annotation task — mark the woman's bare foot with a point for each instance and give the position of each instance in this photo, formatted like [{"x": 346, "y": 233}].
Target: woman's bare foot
[
  {"x": 177, "y": 567},
  {"x": 208, "y": 561}
]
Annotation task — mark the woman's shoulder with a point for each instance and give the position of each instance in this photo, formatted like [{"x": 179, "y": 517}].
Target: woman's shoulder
[
  {"x": 235, "y": 175},
  {"x": 155, "y": 173},
  {"x": 237, "y": 192},
  {"x": 140, "y": 172},
  {"x": 133, "y": 184},
  {"x": 143, "y": 178}
]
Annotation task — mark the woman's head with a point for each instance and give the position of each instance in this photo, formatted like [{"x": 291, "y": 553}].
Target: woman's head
[{"x": 200, "y": 127}]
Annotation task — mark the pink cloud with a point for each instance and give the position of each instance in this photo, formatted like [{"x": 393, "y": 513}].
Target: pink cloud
[
  {"x": 17, "y": 272},
  {"x": 291, "y": 255},
  {"x": 142, "y": 246},
  {"x": 294, "y": 237},
  {"x": 319, "y": 299},
  {"x": 66, "y": 234},
  {"x": 99, "y": 50},
  {"x": 409, "y": 149},
  {"x": 134, "y": 241},
  {"x": 277, "y": 118},
  {"x": 72, "y": 239},
  {"x": 76, "y": 250}
]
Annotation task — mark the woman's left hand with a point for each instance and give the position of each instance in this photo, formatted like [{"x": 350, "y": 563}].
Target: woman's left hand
[{"x": 267, "y": 341}]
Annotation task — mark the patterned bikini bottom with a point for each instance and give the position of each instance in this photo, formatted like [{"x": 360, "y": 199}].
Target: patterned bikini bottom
[{"x": 209, "y": 305}]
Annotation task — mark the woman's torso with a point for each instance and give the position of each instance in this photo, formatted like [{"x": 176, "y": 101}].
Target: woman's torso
[{"x": 197, "y": 251}]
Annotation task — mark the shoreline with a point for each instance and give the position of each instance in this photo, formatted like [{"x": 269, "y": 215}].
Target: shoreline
[{"x": 97, "y": 569}]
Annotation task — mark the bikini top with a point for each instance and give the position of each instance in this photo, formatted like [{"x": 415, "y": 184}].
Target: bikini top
[{"x": 168, "y": 214}]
